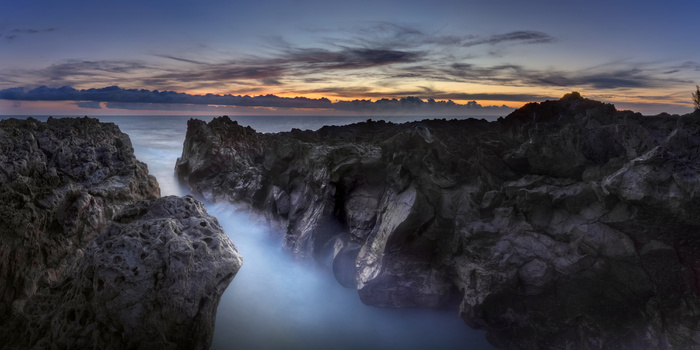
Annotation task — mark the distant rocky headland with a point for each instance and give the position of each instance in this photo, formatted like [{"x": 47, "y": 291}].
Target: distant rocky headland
[
  {"x": 90, "y": 256},
  {"x": 566, "y": 225}
]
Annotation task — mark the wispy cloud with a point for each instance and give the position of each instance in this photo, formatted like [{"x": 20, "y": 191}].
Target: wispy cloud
[
  {"x": 520, "y": 37},
  {"x": 685, "y": 66},
  {"x": 80, "y": 72},
  {"x": 288, "y": 64},
  {"x": 377, "y": 53},
  {"x": 406, "y": 53},
  {"x": 380, "y": 50},
  {"x": 73, "y": 68},
  {"x": 392, "y": 35},
  {"x": 345, "y": 58},
  {"x": 13, "y": 34},
  {"x": 179, "y": 58},
  {"x": 607, "y": 77},
  {"x": 222, "y": 72}
]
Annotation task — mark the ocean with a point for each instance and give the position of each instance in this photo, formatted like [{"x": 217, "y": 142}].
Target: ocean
[{"x": 279, "y": 302}]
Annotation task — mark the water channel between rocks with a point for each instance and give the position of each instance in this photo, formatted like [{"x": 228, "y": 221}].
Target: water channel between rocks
[{"x": 276, "y": 301}]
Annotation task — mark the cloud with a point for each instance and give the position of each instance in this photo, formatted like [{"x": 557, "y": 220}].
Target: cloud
[
  {"x": 396, "y": 49},
  {"x": 615, "y": 78},
  {"x": 117, "y": 94},
  {"x": 17, "y": 104},
  {"x": 222, "y": 73},
  {"x": 424, "y": 92},
  {"x": 376, "y": 60},
  {"x": 16, "y": 33},
  {"x": 500, "y": 74},
  {"x": 690, "y": 65},
  {"x": 116, "y": 97},
  {"x": 378, "y": 52},
  {"x": 73, "y": 68},
  {"x": 181, "y": 59},
  {"x": 392, "y": 35},
  {"x": 77, "y": 72},
  {"x": 346, "y": 58},
  {"x": 82, "y": 73},
  {"x": 521, "y": 36},
  {"x": 287, "y": 65},
  {"x": 33, "y": 31},
  {"x": 270, "y": 81},
  {"x": 605, "y": 77},
  {"x": 89, "y": 104},
  {"x": 493, "y": 97},
  {"x": 685, "y": 66},
  {"x": 417, "y": 106}
]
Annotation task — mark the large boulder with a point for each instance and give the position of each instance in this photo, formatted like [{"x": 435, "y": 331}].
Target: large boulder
[
  {"x": 62, "y": 182},
  {"x": 90, "y": 257},
  {"x": 153, "y": 280}
]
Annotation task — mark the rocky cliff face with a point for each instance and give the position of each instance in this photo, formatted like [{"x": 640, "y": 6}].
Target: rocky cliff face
[
  {"x": 567, "y": 224},
  {"x": 89, "y": 256}
]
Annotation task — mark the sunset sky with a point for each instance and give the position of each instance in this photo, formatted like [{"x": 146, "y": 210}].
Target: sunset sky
[{"x": 108, "y": 57}]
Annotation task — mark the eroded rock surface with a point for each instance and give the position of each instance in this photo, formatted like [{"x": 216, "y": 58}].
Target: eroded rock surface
[
  {"x": 567, "y": 224},
  {"x": 89, "y": 257},
  {"x": 153, "y": 280},
  {"x": 62, "y": 182}
]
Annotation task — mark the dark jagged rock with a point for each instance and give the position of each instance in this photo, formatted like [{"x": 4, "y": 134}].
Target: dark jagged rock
[
  {"x": 152, "y": 281},
  {"x": 62, "y": 181},
  {"x": 89, "y": 257},
  {"x": 567, "y": 224}
]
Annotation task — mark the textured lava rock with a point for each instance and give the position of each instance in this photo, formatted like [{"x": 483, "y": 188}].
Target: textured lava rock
[
  {"x": 567, "y": 224},
  {"x": 152, "y": 281},
  {"x": 89, "y": 258},
  {"x": 62, "y": 182}
]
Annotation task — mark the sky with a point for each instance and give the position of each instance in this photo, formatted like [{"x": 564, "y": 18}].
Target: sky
[{"x": 295, "y": 57}]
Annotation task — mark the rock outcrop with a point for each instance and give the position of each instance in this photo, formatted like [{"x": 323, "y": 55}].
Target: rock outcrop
[
  {"x": 89, "y": 256},
  {"x": 565, "y": 225}
]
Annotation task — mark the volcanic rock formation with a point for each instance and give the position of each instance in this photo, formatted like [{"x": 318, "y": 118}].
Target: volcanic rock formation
[
  {"x": 567, "y": 224},
  {"x": 89, "y": 257}
]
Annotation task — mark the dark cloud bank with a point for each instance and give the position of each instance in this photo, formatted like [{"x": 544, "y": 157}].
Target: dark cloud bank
[{"x": 116, "y": 97}]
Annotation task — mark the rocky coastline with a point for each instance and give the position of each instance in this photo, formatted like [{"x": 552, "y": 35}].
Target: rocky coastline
[
  {"x": 566, "y": 225},
  {"x": 90, "y": 255}
]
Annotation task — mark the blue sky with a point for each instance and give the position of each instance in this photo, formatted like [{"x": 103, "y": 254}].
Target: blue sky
[{"x": 638, "y": 55}]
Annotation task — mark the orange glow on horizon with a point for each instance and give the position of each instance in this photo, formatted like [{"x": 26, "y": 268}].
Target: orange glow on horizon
[
  {"x": 674, "y": 104},
  {"x": 487, "y": 89}
]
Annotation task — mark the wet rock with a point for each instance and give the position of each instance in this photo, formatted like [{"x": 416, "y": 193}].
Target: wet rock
[
  {"x": 152, "y": 280},
  {"x": 567, "y": 224},
  {"x": 89, "y": 257},
  {"x": 63, "y": 181}
]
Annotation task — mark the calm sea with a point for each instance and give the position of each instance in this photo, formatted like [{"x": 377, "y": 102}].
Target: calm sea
[{"x": 277, "y": 302}]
